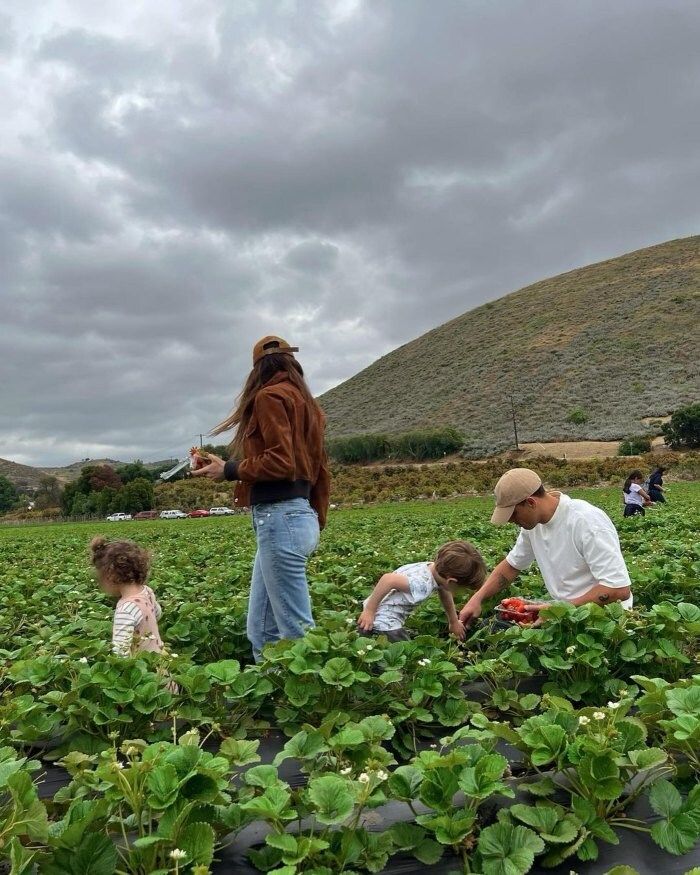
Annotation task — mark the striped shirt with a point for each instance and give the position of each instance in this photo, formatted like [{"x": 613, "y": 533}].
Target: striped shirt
[{"x": 136, "y": 624}]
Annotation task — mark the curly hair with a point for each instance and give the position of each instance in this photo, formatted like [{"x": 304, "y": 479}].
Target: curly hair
[
  {"x": 461, "y": 560},
  {"x": 123, "y": 562}
]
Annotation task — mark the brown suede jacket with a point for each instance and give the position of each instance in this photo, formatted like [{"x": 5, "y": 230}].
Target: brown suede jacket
[{"x": 283, "y": 441}]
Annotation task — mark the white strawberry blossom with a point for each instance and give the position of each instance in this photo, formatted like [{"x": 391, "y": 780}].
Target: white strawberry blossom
[
  {"x": 583, "y": 720},
  {"x": 177, "y": 854},
  {"x": 382, "y": 775},
  {"x": 598, "y": 715},
  {"x": 424, "y": 661},
  {"x": 346, "y": 770},
  {"x": 571, "y": 649},
  {"x": 364, "y": 778},
  {"x": 614, "y": 705}
]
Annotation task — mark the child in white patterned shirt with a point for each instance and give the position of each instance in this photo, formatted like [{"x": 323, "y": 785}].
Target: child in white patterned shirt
[
  {"x": 122, "y": 569},
  {"x": 395, "y": 596}
]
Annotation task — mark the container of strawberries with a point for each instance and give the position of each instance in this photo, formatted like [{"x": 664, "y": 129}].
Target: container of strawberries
[
  {"x": 519, "y": 610},
  {"x": 198, "y": 458}
]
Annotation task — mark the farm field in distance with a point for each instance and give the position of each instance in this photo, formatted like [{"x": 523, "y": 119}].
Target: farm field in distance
[{"x": 523, "y": 749}]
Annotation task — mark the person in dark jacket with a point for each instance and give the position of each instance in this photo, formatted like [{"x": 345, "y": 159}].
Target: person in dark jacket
[
  {"x": 656, "y": 484},
  {"x": 279, "y": 461}
]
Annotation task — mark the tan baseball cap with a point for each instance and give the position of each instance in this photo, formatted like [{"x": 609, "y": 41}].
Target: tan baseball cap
[
  {"x": 272, "y": 345},
  {"x": 514, "y": 486}
]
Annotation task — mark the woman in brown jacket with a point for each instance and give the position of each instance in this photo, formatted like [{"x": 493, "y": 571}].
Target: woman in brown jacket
[{"x": 279, "y": 461}]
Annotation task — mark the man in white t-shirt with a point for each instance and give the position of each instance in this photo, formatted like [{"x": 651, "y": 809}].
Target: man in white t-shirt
[{"x": 574, "y": 543}]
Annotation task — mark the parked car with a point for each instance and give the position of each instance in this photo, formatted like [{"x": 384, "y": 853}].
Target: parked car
[
  {"x": 147, "y": 515},
  {"x": 172, "y": 515},
  {"x": 220, "y": 511},
  {"x": 118, "y": 517},
  {"x": 197, "y": 513}
]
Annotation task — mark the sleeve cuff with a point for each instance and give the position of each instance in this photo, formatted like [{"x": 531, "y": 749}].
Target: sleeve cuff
[{"x": 231, "y": 470}]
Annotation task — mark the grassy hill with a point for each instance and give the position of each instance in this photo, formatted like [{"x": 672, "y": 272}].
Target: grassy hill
[
  {"x": 27, "y": 476},
  {"x": 617, "y": 341}
]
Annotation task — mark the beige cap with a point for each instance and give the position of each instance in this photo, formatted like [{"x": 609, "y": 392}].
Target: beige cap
[
  {"x": 514, "y": 486},
  {"x": 272, "y": 345}
]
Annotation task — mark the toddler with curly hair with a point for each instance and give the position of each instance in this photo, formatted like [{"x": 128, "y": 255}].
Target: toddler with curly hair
[{"x": 122, "y": 570}]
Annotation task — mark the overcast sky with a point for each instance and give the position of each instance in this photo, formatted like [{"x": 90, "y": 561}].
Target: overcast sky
[{"x": 179, "y": 178}]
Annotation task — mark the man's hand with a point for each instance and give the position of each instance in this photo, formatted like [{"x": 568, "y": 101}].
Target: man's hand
[
  {"x": 471, "y": 611},
  {"x": 214, "y": 470},
  {"x": 458, "y": 630},
  {"x": 366, "y": 620}
]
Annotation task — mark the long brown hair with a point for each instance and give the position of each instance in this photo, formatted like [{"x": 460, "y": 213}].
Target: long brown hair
[{"x": 263, "y": 371}]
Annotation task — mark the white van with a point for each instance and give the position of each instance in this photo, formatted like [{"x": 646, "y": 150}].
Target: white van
[
  {"x": 118, "y": 517},
  {"x": 172, "y": 515},
  {"x": 220, "y": 511}
]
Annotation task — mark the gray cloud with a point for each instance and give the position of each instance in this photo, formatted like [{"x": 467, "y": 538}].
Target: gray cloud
[{"x": 179, "y": 179}]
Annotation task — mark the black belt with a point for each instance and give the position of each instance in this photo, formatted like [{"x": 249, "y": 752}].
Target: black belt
[{"x": 268, "y": 491}]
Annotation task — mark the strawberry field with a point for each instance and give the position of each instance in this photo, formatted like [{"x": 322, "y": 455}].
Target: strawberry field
[{"x": 574, "y": 746}]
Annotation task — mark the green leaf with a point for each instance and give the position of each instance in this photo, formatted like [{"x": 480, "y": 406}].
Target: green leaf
[
  {"x": 338, "y": 672},
  {"x": 665, "y": 799},
  {"x": 332, "y": 798},
  {"x": 404, "y": 783},
  {"x": 647, "y": 758},
  {"x": 262, "y": 776},
  {"x": 240, "y": 752},
  {"x": 163, "y": 785},
  {"x": 449, "y": 829},
  {"x": 438, "y": 788},
  {"x": 676, "y": 835},
  {"x": 224, "y": 672},
  {"x": 198, "y": 839},
  {"x": 304, "y": 745},
  {"x": 543, "y": 787},
  {"x": 95, "y": 856},
  {"x": 622, "y": 870},
  {"x": 508, "y": 850}
]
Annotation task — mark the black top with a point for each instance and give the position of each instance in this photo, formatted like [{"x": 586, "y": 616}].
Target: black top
[{"x": 656, "y": 479}]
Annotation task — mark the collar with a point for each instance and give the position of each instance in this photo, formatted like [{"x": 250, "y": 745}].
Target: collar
[{"x": 564, "y": 501}]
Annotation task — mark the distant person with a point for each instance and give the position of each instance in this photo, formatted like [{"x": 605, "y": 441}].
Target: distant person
[
  {"x": 574, "y": 543},
  {"x": 397, "y": 594},
  {"x": 122, "y": 570},
  {"x": 656, "y": 484},
  {"x": 634, "y": 495},
  {"x": 278, "y": 458}
]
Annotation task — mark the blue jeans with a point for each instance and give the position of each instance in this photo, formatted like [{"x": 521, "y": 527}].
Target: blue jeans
[{"x": 287, "y": 533}]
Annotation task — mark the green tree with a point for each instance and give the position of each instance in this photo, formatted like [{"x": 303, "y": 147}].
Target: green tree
[
  {"x": 134, "y": 471},
  {"x": 105, "y": 500},
  {"x": 48, "y": 494},
  {"x": 682, "y": 432},
  {"x": 8, "y": 495},
  {"x": 137, "y": 495}
]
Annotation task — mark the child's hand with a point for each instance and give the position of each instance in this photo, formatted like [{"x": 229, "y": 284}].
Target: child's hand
[
  {"x": 458, "y": 630},
  {"x": 366, "y": 620}
]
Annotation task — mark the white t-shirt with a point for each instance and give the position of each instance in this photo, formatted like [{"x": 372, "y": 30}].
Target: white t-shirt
[
  {"x": 633, "y": 496},
  {"x": 395, "y": 608},
  {"x": 575, "y": 550}
]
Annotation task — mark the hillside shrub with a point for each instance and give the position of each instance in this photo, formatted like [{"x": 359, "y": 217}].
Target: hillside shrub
[
  {"x": 577, "y": 416},
  {"x": 634, "y": 446},
  {"x": 411, "y": 446},
  {"x": 683, "y": 429}
]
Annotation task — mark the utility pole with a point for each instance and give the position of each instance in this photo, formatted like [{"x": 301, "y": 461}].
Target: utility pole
[{"x": 515, "y": 424}]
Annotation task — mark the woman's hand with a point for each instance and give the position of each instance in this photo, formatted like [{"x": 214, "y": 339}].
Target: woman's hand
[
  {"x": 214, "y": 470},
  {"x": 366, "y": 620}
]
